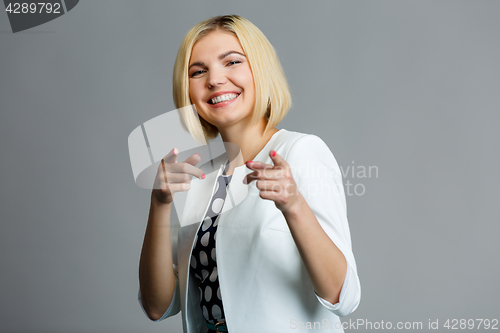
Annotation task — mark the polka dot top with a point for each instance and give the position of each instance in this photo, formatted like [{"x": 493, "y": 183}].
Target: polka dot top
[{"x": 203, "y": 260}]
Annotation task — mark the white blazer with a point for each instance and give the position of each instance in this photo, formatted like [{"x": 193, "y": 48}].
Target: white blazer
[{"x": 263, "y": 282}]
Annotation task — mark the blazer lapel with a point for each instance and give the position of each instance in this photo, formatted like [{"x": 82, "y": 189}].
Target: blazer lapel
[{"x": 193, "y": 213}]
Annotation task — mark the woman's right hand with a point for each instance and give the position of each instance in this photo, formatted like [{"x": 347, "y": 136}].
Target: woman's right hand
[{"x": 174, "y": 177}]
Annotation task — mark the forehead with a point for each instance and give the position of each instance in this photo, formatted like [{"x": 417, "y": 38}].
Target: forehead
[{"x": 214, "y": 44}]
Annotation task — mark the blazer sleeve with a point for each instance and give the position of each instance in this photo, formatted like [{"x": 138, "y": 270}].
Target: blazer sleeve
[
  {"x": 318, "y": 177},
  {"x": 175, "y": 306}
]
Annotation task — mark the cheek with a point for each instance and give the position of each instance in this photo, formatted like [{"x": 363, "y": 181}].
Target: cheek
[
  {"x": 194, "y": 91},
  {"x": 192, "y": 96},
  {"x": 250, "y": 82},
  {"x": 244, "y": 77},
  {"x": 246, "y": 81}
]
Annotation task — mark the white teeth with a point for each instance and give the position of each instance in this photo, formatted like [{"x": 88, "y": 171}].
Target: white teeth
[{"x": 223, "y": 98}]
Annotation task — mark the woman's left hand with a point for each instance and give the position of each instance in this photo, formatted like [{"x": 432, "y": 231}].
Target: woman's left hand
[{"x": 275, "y": 182}]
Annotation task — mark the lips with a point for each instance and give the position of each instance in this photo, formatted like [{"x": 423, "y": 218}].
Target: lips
[{"x": 222, "y": 97}]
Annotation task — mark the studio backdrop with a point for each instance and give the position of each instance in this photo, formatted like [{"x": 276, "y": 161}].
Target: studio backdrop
[{"x": 404, "y": 93}]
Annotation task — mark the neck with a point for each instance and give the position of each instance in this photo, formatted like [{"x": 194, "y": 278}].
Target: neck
[{"x": 249, "y": 139}]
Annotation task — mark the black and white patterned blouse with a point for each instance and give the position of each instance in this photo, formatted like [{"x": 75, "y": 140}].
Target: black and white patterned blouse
[{"x": 203, "y": 260}]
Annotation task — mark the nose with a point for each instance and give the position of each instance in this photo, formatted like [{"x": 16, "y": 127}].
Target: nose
[{"x": 216, "y": 78}]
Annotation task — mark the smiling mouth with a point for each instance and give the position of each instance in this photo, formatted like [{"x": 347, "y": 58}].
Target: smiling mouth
[{"x": 222, "y": 98}]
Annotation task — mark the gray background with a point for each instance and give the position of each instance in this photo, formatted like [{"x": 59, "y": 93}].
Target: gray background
[{"x": 411, "y": 87}]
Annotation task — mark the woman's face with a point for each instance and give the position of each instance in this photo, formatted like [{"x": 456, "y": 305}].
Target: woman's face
[{"x": 221, "y": 83}]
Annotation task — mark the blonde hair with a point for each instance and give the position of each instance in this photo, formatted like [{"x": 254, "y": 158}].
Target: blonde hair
[{"x": 272, "y": 94}]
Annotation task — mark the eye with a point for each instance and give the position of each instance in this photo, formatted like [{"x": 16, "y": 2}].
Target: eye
[
  {"x": 233, "y": 62},
  {"x": 197, "y": 73}
]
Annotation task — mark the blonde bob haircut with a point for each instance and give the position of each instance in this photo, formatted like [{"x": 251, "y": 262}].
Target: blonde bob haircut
[{"x": 272, "y": 94}]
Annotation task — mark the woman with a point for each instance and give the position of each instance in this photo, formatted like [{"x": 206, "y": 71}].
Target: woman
[{"x": 280, "y": 258}]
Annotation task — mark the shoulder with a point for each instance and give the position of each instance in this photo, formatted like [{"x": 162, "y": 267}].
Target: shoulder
[
  {"x": 292, "y": 142},
  {"x": 301, "y": 148}
]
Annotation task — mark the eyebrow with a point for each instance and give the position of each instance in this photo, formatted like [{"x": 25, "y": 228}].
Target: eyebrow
[{"x": 220, "y": 57}]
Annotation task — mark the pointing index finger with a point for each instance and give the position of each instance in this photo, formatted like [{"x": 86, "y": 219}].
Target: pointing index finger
[
  {"x": 257, "y": 165},
  {"x": 193, "y": 159}
]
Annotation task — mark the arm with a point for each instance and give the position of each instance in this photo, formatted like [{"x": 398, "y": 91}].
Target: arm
[
  {"x": 308, "y": 189},
  {"x": 156, "y": 273},
  {"x": 324, "y": 262}
]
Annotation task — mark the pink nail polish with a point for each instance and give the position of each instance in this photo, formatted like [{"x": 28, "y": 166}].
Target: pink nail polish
[
  {"x": 273, "y": 153},
  {"x": 203, "y": 176}
]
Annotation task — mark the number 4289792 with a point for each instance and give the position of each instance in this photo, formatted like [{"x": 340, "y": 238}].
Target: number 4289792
[
  {"x": 40, "y": 7},
  {"x": 461, "y": 324}
]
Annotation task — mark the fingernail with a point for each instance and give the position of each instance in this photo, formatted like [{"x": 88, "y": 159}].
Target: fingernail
[
  {"x": 203, "y": 176},
  {"x": 247, "y": 162},
  {"x": 174, "y": 151},
  {"x": 244, "y": 180}
]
